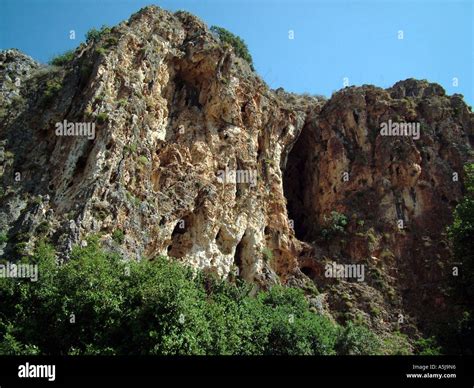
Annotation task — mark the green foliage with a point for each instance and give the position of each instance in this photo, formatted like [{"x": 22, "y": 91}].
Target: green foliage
[
  {"x": 97, "y": 303},
  {"x": 461, "y": 234},
  {"x": 102, "y": 118},
  {"x": 397, "y": 344},
  {"x": 132, "y": 199},
  {"x": 358, "y": 340},
  {"x": 118, "y": 236},
  {"x": 335, "y": 225},
  {"x": 101, "y": 50},
  {"x": 143, "y": 160},
  {"x": 99, "y": 98},
  {"x": 3, "y": 238},
  {"x": 43, "y": 228},
  {"x": 63, "y": 59},
  {"x": 239, "y": 46},
  {"x": 53, "y": 86},
  {"x": 21, "y": 248},
  {"x": 130, "y": 148},
  {"x": 94, "y": 35},
  {"x": 267, "y": 254},
  {"x": 427, "y": 347},
  {"x": 111, "y": 41},
  {"x": 11, "y": 346}
]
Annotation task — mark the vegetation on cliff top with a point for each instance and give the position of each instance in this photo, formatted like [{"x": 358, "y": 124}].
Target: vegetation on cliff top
[
  {"x": 63, "y": 59},
  {"x": 239, "y": 46}
]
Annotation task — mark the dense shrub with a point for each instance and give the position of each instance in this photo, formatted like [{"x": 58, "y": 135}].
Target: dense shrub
[
  {"x": 94, "y": 35},
  {"x": 427, "y": 347},
  {"x": 334, "y": 225},
  {"x": 62, "y": 59},
  {"x": 102, "y": 118},
  {"x": 118, "y": 236},
  {"x": 461, "y": 234},
  {"x": 357, "y": 340},
  {"x": 239, "y": 46},
  {"x": 98, "y": 303},
  {"x": 53, "y": 86}
]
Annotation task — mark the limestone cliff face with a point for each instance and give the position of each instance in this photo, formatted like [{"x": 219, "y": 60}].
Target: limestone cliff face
[
  {"x": 398, "y": 193},
  {"x": 176, "y": 116},
  {"x": 195, "y": 158}
]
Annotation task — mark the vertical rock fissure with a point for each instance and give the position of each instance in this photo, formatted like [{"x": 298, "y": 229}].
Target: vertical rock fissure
[{"x": 295, "y": 184}]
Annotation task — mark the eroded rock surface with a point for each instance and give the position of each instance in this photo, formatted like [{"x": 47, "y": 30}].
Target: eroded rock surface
[
  {"x": 398, "y": 193},
  {"x": 174, "y": 109}
]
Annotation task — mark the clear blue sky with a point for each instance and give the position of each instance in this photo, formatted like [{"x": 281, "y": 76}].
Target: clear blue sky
[{"x": 332, "y": 39}]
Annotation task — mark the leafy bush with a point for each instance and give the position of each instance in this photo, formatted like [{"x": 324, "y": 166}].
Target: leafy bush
[
  {"x": 427, "y": 347},
  {"x": 336, "y": 224},
  {"x": 267, "y": 254},
  {"x": 111, "y": 41},
  {"x": 101, "y": 51},
  {"x": 118, "y": 236},
  {"x": 102, "y": 118},
  {"x": 461, "y": 234},
  {"x": 97, "y": 303},
  {"x": 358, "y": 340},
  {"x": 143, "y": 160},
  {"x": 397, "y": 344},
  {"x": 62, "y": 59},
  {"x": 94, "y": 35},
  {"x": 53, "y": 86},
  {"x": 130, "y": 148},
  {"x": 239, "y": 46}
]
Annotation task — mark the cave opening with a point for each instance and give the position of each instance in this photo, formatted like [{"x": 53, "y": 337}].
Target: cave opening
[
  {"x": 238, "y": 260},
  {"x": 179, "y": 243},
  {"x": 297, "y": 183},
  {"x": 309, "y": 272}
]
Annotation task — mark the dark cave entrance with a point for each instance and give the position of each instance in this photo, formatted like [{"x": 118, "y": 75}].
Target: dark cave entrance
[
  {"x": 309, "y": 272},
  {"x": 240, "y": 250},
  {"x": 296, "y": 184},
  {"x": 179, "y": 243}
]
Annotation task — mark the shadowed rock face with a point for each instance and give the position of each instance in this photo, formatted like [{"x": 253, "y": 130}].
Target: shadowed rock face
[
  {"x": 194, "y": 157},
  {"x": 398, "y": 192}
]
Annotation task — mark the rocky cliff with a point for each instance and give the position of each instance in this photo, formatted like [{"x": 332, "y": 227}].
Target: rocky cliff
[{"x": 157, "y": 137}]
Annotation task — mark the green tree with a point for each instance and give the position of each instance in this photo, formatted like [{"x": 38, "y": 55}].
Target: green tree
[
  {"x": 358, "y": 340},
  {"x": 94, "y": 35},
  {"x": 335, "y": 225},
  {"x": 239, "y": 46},
  {"x": 62, "y": 59},
  {"x": 98, "y": 303},
  {"x": 461, "y": 234}
]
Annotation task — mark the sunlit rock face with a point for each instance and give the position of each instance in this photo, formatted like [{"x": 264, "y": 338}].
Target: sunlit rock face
[
  {"x": 158, "y": 130},
  {"x": 186, "y": 155}
]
